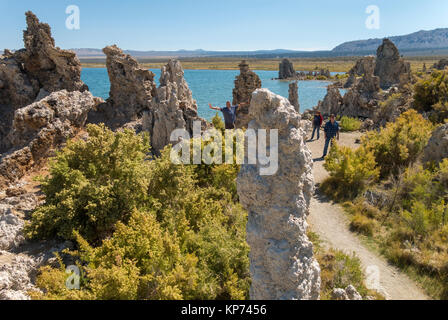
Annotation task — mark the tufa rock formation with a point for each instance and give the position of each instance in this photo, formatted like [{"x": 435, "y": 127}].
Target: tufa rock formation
[
  {"x": 350, "y": 293},
  {"x": 40, "y": 127},
  {"x": 30, "y": 74},
  {"x": 440, "y": 65},
  {"x": 282, "y": 265},
  {"x": 331, "y": 103},
  {"x": 172, "y": 107},
  {"x": 390, "y": 67},
  {"x": 365, "y": 65},
  {"x": 294, "y": 95},
  {"x": 437, "y": 148},
  {"x": 245, "y": 84},
  {"x": 53, "y": 68},
  {"x": 362, "y": 99},
  {"x": 286, "y": 70},
  {"x": 131, "y": 88}
]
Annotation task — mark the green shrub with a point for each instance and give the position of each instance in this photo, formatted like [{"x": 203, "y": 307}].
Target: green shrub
[
  {"x": 350, "y": 124},
  {"x": 181, "y": 240},
  {"x": 431, "y": 95},
  {"x": 351, "y": 171},
  {"x": 400, "y": 143},
  {"x": 92, "y": 185},
  {"x": 362, "y": 224},
  {"x": 218, "y": 123}
]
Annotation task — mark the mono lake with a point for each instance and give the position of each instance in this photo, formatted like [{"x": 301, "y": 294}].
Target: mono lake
[{"x": 215, "y": 87}]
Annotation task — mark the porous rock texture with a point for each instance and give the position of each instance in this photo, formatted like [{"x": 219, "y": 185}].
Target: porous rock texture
[
  {"x": 331, "y": 103},
  {"x": 172, "y": 107},
  {"x": 349, "y": 293},
  {"x": 362, "y": 99},
  {"x": 293, "y": 95},
  {"x": 245, "y": 84},
  {"x": 40, "y": 127},
  {"x": 31, "y": 73},
  {"x": 286, "y": 70},
  {"x": 131, "y": 86},
  {"x": 282, "y": 265},
  {"x": 437, "y": 148},
  {"x": 365, "y": 65},
  {"x": 390, "y": 67}
]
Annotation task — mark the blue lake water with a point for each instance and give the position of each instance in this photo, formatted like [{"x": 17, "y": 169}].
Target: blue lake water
[{"x": 215, "y": 87}]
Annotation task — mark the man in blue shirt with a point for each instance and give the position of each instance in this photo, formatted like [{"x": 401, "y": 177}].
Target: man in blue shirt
[
  {"x": 331, "y": 130},
  {"x": 229, "y": 113}
]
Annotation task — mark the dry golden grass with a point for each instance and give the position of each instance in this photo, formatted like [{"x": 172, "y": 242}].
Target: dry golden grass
[{"x": 338, "y": 64}]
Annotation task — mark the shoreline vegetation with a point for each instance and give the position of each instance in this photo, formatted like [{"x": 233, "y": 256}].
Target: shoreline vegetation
[{"x": 338, "y": 64}]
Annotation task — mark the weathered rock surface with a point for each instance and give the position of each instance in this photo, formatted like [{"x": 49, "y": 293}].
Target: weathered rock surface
[
  {"x": 41, "y": 126},
  {"x": 55, "y": 69},
  {"x": 365, "y": 65},
  {"x": 293, "y": 95},
  {"x": 362, "y": 99},
  {"x": 350, "y": 293},
  {"x": 172, "y": 107},
  {"x": 440, "y": 65},
  {"x": 31, "y": 73},
  {"x": 437, "y": 148},
  {"x": 131, "y": 86},
  {"x": 10, "y": 228},
  {"x": 286, "y": 70},
  {"x": 282, "y": 265},
  {"x": 245, "y": 84},
  {"x": 390, "y": 67},
  {"x": 331, "y": 103}
]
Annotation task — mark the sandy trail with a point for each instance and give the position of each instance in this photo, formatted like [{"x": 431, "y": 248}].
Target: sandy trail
[{"x": 330, "y": 222}]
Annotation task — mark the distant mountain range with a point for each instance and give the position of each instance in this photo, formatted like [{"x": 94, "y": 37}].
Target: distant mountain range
[
  {"x": 421, "y": 40},
  {"x": 421, "y": 43}
]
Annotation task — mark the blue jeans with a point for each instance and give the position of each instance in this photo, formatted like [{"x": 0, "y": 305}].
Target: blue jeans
[
  {"x": 327, "y": 143},
  {"x": 318, "y": 132}
]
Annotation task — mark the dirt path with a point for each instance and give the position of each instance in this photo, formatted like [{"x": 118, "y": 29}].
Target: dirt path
[{"x": 330, "y": 222}]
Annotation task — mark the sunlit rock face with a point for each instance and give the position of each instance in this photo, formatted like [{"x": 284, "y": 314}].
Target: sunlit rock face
[
  {"x": 390, "y": 67},
  {"x": 131, "y": 86},
  {"x": 437, "y": 148},
  {"x": 32, "y": 73},
  {"x": 41, "y": 127},
  {"x": 171, "y": 108},
  {"x": 282, "y": 265},
  {"x": 245, "y": 84}
]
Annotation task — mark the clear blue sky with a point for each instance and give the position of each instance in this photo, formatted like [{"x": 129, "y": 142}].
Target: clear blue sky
[{"x": 220, "y": 24}]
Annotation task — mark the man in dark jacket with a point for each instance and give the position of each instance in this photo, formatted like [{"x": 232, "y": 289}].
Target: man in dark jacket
[
  {"x": 331, "y": 130},
  {"x": 317, "y": 123}
]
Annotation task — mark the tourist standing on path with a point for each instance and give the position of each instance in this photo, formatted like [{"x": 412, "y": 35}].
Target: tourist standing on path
[
  {"x": 317, "y": 123},
  {"x": 331, "y": 130},
  {"x": 229, "y": 113}
]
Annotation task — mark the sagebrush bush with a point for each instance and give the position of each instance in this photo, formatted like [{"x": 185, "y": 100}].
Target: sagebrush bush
[
  {"x": 431, "y": 95},
  {"x": 400, "y": 143},
  {"x": 351, "y": 171},
  {"x": 412, "y": 233},
  {"x": 362, "y": 224},
  {"x": 92, "y": 184},
  {"x": 350, "y": 124},
  {"x": 181, "y": 240}
]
